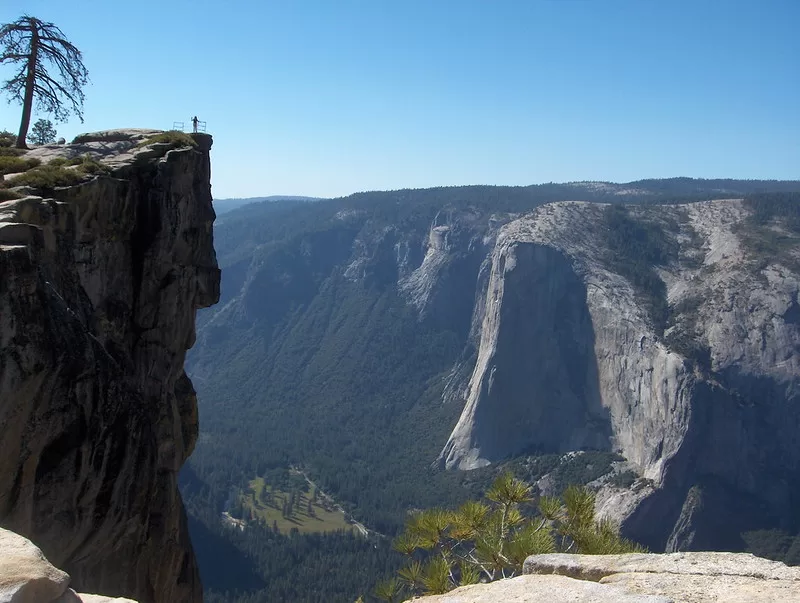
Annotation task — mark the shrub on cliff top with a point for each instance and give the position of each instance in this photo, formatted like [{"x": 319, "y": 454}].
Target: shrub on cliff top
[
  {"x": 87, "y": 164},
  {"x": 175, "y": 138},
  {"x": 12, "y": 165},
  {"x": 7, "y": 139},
  {"x": 110, "y": 136},
  {"x": 11, "y": 151},
  {"x": 47, "y": 177},
  {"x": 57, "y": 173}
]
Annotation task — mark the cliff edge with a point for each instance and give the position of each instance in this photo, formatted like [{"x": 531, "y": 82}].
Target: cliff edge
[{"x": 99, "y": 284}]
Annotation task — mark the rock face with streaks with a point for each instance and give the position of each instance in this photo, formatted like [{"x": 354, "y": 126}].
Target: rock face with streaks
[
  {"x": 706, "y": 407},
  {"x": 99, "y": 284}
]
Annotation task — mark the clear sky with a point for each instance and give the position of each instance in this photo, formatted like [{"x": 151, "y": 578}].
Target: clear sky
[{"x": 329, "y": 97}]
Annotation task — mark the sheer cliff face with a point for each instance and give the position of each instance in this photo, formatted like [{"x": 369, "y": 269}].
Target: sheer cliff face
[
  {"x": 98, "y": 293},
  {"x": 568, "y": 358}
]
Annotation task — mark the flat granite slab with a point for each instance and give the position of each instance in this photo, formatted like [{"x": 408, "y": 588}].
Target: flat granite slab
[
  {"x": 542, "y": 589},
  {"x": 647, "y": 578}
]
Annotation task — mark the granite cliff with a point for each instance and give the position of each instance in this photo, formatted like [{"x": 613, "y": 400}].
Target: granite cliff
[
  {"x": 701, "y": 399},
  {"x": 99, "y": 284}
]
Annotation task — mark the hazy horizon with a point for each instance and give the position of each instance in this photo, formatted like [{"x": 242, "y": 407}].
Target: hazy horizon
[{"x": 266, "y": 197}]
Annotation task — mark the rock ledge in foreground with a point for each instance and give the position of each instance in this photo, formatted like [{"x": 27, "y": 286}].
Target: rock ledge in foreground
[
  {"x": 634, "y": 578},
  {"x": 26, "y": 576}
]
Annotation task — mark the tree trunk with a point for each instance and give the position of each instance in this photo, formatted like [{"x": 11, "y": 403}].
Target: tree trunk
[{"x": 30, "y": 80}]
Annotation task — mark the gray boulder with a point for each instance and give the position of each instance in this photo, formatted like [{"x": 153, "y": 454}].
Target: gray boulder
[{"x": 25, "y": 575}]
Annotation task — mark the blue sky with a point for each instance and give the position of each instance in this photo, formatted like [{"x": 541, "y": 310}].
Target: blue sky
[{"x": 329, "y": 97}]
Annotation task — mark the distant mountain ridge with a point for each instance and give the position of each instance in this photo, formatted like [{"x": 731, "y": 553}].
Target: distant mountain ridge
[
  {"x": 222, "y": 206},
  {"x": 654, "y": 187}
]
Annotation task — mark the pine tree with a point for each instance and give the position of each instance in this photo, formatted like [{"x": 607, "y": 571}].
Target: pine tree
[
  {"x": 491, "y": 540},
  {"x": 49, "y": 70},
  {"x": 42, "y": 132}
]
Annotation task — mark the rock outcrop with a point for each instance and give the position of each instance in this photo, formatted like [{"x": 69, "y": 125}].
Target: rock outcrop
[
  {"x": 706, "y": 411},
  {"x": 639, "y": 578},
  {"x": 27, "y": 577},
  {"x": 99, "y": 284}
]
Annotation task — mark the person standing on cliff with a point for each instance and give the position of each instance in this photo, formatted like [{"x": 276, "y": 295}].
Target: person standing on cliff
[{"x": 194, "y": 124}]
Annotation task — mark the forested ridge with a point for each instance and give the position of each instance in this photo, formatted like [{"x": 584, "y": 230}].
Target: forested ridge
[{"x": 314, "y": 360}]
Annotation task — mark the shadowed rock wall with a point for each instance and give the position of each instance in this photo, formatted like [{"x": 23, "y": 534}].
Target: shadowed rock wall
[{"x": 98, "y": 291}]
